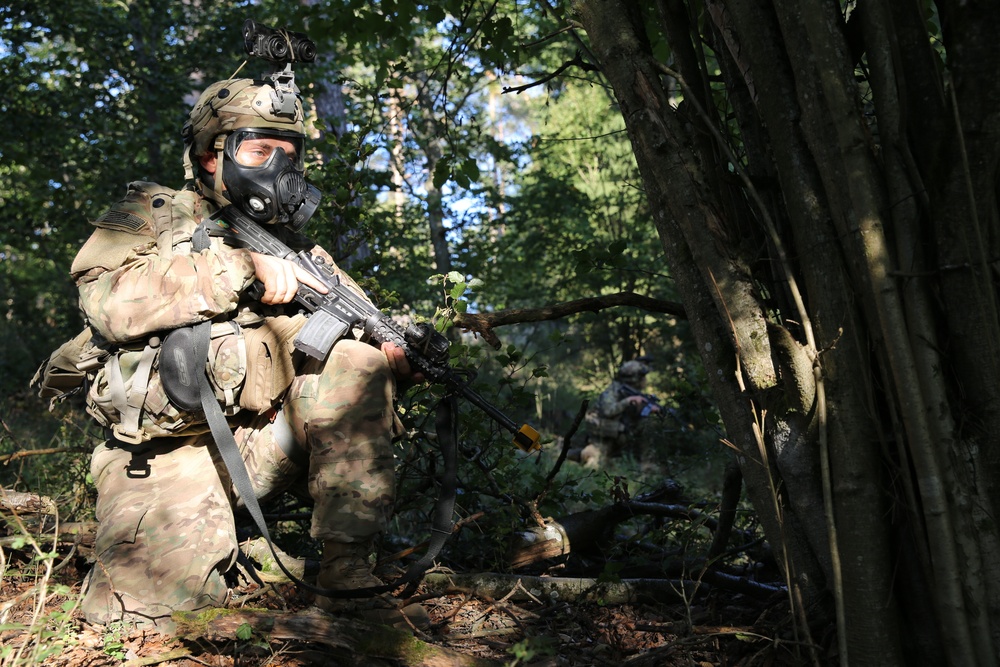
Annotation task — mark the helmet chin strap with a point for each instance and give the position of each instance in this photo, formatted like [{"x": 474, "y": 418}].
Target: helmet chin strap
[{"x": 218, "y": 186}]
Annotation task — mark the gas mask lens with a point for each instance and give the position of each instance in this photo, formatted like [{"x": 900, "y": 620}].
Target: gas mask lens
[{"x": 257, "y": 149}]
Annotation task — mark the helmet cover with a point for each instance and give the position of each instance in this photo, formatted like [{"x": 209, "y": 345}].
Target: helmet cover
[
  {"x": 633, "y": 370},
  {"x": 230, "y": 105}
]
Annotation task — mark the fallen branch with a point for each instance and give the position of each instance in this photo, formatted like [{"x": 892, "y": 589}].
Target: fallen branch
[
  {"x": 79, "y": 534},
  {"x": 345, "y": 635},
  {"x": 40, "y": 452},
  {"x": 174, "y": 654},
  {"x": 567, "y": 589},
  {"x": 26, "y": 503},
  {"x": 584, "y": 531}
]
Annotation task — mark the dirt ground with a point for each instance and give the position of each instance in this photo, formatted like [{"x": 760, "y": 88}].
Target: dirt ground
[{"x": 714, "y": 627}]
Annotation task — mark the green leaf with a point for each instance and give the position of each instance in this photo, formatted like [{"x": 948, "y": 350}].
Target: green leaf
[
  {"x": 470, "y": 168},
  {"x": 442, "y": 172},
  {"x": 617, "y": 247},
  {"x": 244, "y": 632}
]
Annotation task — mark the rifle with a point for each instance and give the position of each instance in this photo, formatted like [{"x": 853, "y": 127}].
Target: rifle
[
  {"x": 335, "y": 314},
  {"x": 652, "y": 401}
]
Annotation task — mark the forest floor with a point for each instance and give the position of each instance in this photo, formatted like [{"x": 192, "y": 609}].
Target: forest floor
[
  {"x": 738, "y": 617},
  {"x": 717, "y": 627}
]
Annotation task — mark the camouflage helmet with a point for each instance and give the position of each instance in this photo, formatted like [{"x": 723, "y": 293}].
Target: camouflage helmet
[
  {"x": 633, "y": 371},
  {"x": 234, "y": 104}
]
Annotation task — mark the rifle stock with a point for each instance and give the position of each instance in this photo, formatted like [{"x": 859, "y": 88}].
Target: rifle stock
[{"x": 335, "y": 314}]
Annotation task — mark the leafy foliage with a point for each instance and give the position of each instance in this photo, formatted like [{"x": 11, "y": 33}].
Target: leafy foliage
[{"x": 442, "y": 194}]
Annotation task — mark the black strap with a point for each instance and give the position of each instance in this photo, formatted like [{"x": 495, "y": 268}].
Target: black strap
[
  {"x": 445, "y": 423},
  {"x": 230, "y": 452}
]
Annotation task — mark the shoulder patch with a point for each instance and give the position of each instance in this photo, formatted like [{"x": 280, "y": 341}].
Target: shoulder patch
[
  {"x": 122, "y": 221},
  {"x": 138, "y": 211}
]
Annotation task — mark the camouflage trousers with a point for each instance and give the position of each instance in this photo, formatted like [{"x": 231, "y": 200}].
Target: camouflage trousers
[{"x": 166, "y": 532}]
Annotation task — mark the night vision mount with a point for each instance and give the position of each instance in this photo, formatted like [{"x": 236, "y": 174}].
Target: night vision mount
[{"x": 281, "y": 48}]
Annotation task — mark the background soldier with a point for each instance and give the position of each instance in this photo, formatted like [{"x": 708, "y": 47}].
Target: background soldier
[
  {"x": 612, "y": 420},
  {"x": 167, "y": 536}
]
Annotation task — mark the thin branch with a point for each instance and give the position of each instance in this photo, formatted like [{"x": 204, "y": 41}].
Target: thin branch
[
  {"x": 567, "y": 441},
  {"x": 484, "y": 323},
  {"x": 40, "y": 452},
  {"x": 577, "y": 61},
  {"x": 548, "y": 37}
]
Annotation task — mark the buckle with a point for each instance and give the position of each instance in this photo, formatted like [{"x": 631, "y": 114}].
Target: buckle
[{"x": 136, "y": 438}]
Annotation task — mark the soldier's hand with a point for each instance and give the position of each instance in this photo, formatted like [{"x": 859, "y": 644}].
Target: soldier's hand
[
  {"x": 637, "y": 400},
  {"x": 400, "y": 365},
  {"x": 281, "y": 278}
]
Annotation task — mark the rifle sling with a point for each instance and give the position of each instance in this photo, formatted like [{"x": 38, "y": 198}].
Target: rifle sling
[{"x": 441, "y": 528}]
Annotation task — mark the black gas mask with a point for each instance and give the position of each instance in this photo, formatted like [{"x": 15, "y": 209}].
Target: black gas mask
[{"x": 263, "y": 177}]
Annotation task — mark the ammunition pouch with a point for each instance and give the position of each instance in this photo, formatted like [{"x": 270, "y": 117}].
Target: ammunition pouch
[
  {"x": 65, "y": 371},
  {"x": 270, "y": 366},
  {"x": 138, "y": 395}
]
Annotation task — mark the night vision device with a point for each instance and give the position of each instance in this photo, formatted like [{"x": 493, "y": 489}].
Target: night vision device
[{"x": 279, "y": 46}]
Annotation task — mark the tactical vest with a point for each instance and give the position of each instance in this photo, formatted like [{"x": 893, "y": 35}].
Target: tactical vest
[{"x": 124, "y": 391}]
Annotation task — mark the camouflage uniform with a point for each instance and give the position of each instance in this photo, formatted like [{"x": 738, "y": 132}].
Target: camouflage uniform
[
  {"x": 613, "y": 416},
  {"x": 166, "y": 532}
]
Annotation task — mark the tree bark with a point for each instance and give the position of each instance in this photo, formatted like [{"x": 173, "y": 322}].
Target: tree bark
[{"x": 715, "y": 286}]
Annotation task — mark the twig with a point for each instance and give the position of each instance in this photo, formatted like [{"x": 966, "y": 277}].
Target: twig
[
  {"x": 39, "y": 452},
  {"x": 577, "y": 61}
]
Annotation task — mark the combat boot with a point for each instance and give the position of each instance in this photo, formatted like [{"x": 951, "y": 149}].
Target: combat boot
[{"x": 346, "y": 567}]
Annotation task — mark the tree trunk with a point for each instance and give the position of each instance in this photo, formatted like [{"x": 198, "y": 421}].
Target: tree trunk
[
  {"x": 714, "y": 282},
  {"x": 843, "y": 298}
]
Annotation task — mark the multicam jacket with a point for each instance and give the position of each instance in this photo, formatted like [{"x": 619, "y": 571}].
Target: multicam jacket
[
  {"x": 612, "y": 413},
  {"x": 139, "y": 278}
]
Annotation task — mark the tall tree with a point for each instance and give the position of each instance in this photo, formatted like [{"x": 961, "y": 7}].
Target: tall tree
[
  {"x": 825, "y": 193},
  {"x": 94, "y": 97}
]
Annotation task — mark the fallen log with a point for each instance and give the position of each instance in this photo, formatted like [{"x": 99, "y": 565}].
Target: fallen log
[
  {"x": 17, "y": 502},
  {"x": 81, "y": 534},
  {"x": 591, "y": 530},
  {"x": 342, "y": 635},
  {"x": 517, "y": 588},
  {"x": 587, "y": 531}
]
